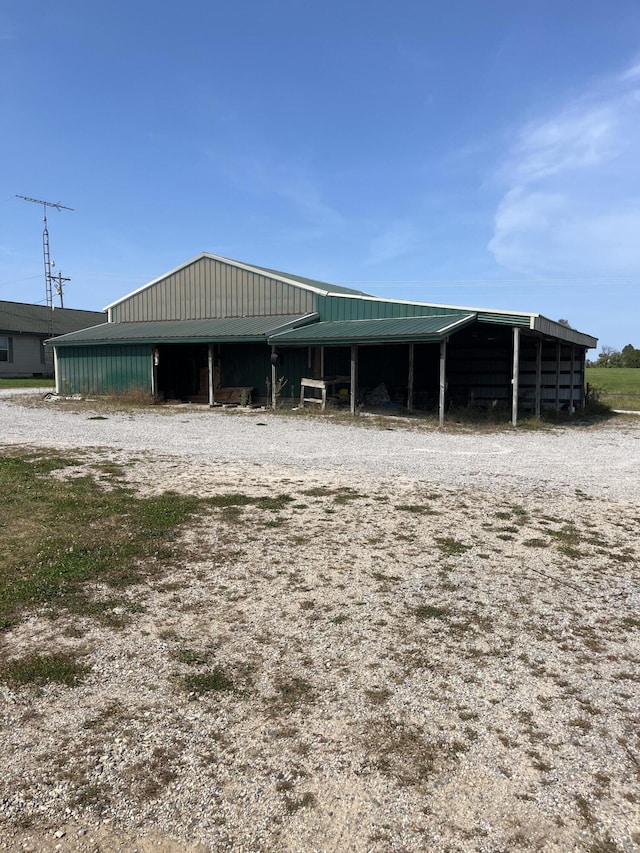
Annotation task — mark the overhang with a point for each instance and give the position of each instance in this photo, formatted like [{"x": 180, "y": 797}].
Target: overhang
[
  {"x": 219, "y": 330},
  {"x": 390, "y": 330}
]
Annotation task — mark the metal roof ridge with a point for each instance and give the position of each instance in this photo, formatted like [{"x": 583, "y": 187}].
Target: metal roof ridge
[
  {"x": 240, "y": 264},
  {"x": 436, "y": 305},
  {"x": 466, "y": 313},
  {"x": 297, "y": 322},
  {"x": 268, "y": 273}
]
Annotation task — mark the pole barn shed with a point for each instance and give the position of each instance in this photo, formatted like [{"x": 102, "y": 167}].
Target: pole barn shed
[{"x": 216, "y": 330}]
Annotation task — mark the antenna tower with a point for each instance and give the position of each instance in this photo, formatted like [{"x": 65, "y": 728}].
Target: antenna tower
[{"x": 51, "y": 282}]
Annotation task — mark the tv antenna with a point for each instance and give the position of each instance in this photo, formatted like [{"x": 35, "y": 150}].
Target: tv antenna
[{"x": 52, "y": 282}]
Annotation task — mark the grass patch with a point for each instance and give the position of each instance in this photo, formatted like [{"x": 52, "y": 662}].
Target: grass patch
[
  {"x": 200, "y": 683},
  {"x": 27, "y": 382},
  {"x": 56, "y": 534},
  {"x": 44, "y": 669},
  {"x": 241, "y": 500},
  {"x": 450, "y": 546},
  {"x": 294, "y": 804},
  {"x": 417, "y": 509},
  {"x": 618, "y": 387},
  {"x": 428, "y": 611}
]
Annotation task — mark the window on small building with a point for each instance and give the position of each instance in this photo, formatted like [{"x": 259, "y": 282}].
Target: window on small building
[{"x": 5, "y": 349}]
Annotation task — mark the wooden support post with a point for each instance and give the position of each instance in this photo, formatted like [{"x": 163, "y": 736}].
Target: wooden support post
[
  {"x": 410, "y": 379},
  {"x": 274, "y": 379},
  {"x": 354, "y": 377},
  {"x": 514, "y": 379},
  {"x": 210, "y": 373},
  {"x": 572, "y": 408},
  {"x": 581, "y": 398},
  {"x": 154, "y": 372},
  {"x": 443, "y": 380},
  {"x": 538, "y": 378},
  {"x": 321, "y": 362}
]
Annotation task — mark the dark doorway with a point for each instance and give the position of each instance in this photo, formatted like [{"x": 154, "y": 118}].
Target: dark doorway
[{"x": 183, "y": 372}]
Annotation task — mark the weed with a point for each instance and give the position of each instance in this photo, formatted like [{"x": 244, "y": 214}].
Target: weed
[
  {"x": 215, "y": 681},
  {"x": 450, "y": 546},
  {"x": 191, "y": 657},
  {"x": 65, "y": 532},
  {"x": 428, "y": 611},
  {"x": 294, "y": 804},
  {"x": 241, "y": 500},
  {"x": 291, "y": 693},
  {"x": 43, "y": 669},
  {"x": 417, "y": 509}
]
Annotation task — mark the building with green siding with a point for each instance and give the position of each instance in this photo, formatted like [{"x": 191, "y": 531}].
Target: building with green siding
[{"x": 215, "y": 327}]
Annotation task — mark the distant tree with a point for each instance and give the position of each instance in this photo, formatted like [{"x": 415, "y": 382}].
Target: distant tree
[
  {"x": 609, "y": 357},
  {"x": 630, "y": 356},
  {"x": 565, "y": 323}
]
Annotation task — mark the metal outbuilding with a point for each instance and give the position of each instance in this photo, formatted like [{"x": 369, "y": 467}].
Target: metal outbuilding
[{"x": 215, "y": 324}]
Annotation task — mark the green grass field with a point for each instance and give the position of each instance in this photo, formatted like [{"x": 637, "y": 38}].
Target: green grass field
[
  {"x": 37, "y": 382},
  {"x": 619, "y": 386}
]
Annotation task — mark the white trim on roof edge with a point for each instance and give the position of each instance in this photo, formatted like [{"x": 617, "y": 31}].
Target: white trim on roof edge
[
  {"x": 435, "y": 305},
  {"x": 248, "y": 267},
  {"x": 535, "y": 320}
]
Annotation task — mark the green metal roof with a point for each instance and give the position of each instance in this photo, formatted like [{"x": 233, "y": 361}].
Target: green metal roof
[
  {"x": 310, "y": 282},
  {"x": 22, "y": 318},
  {"x": 229, "y": 329},
  {"x": 388, "y": 330}
]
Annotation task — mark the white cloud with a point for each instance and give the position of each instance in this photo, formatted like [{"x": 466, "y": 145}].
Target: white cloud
[
  {"x": 572, "y": 202},
  {"x": 399, "y": 239},
  {"x": 292, "y": 183},
  {"x": 632, "y": 73}
]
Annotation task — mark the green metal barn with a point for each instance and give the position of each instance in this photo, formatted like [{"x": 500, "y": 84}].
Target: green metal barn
[{"x": 217, "y": 330}]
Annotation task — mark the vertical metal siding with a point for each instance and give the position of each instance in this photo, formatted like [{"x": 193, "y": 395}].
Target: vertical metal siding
[
  {"x": 208, "y": 288},
  {"x": 345, "y": 308},
  {"x": 250, "y": 365},
  {"x": 104, "y": 369}
]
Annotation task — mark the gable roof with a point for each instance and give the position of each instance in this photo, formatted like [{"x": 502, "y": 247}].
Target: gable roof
[
  {"x": 22, "y": 318},
  {"x": 182, "y": 298},
  {"x": 320, "y": 287}
]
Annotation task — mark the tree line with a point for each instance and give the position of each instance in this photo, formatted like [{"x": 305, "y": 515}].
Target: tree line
[{"x": 628, "y": 356}]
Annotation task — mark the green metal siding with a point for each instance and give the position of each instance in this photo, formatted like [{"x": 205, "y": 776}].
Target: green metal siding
[
  {"x": 346, "y": 308},
  {"x": 250, "y": 365},
  {"x": 353, "y": 308},
  {"x": 103, "y": 369}
]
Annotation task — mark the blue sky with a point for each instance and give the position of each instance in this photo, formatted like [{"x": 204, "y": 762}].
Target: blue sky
[{"x": 461, "y": 152}]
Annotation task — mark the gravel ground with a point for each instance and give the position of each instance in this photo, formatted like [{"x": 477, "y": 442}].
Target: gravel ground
[{"x": 434, "y": 645}]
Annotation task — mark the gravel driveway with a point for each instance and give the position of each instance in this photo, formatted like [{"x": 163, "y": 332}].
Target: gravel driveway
[
  {"x": 435, "y": 644},
  {"x": 602, "y": 461}
]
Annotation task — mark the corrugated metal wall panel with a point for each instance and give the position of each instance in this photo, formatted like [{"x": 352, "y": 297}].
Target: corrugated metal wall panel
[
  {"x": 208, "y": 288},
  {"x": 250, "y": 365},
  {"x": 104, "y": 369},
  {"x": 345, "y": 308}
]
